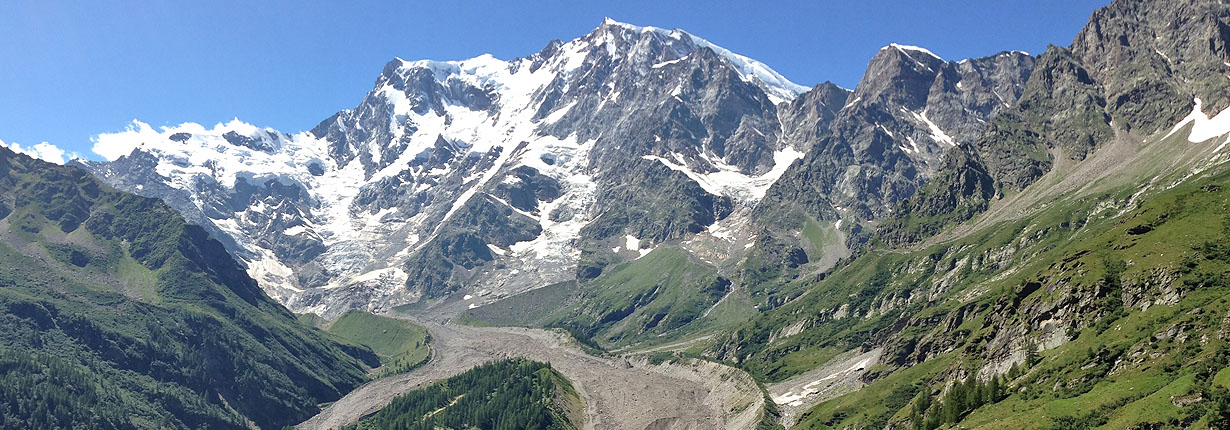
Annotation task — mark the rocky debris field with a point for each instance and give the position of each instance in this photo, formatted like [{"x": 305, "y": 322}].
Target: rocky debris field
[{"x": 620, "y": 393}]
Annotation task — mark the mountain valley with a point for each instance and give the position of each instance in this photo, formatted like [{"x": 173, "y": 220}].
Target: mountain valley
[{"x": 640, "y": 229}]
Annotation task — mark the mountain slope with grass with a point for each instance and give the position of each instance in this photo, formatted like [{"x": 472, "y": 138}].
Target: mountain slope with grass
[
  {"x": 1064, "y": 270},
  {"x": 512, "y": 394},
  {"x": 400, "y": 345},
  {"x": 118, "y": 314},
  {"x": 1083, "y": 314}
]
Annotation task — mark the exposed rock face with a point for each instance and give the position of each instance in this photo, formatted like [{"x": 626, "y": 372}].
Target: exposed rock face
[
  {"x": 636, "y": 134},
  {"x": 497, "y": 175},
  {"x": 504, "y": 176},
  {"x": 1137, "y": 66},
  {"x": 1152, "y": 57},
  {"x": 910, "y": 107},
  {"x": 1062, "y": 108},
  {"x": 806, "y": 119},
  {"x": 888, "y": 138},
  {"x": 960, "y": 189}
]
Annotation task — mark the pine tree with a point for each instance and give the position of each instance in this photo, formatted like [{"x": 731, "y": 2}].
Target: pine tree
[
  {"x": 934, "y": 418},
  {"x": 973, "y": 392},
  {"x": 954, "y": 402},
  {"x": 993, "y": 390},
  {"x": 921, "y": 404},
  {"x": 1031, "y": 354}
]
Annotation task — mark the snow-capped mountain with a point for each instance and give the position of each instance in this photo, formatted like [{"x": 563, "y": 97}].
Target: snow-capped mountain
[
  {"x": 495, "y": 177},
  {"x": 499, "y": 175}
]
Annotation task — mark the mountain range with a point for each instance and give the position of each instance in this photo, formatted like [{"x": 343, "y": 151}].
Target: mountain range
[
  {"x": 972, "y": 243},
  {"x": 497, "y": 177}
]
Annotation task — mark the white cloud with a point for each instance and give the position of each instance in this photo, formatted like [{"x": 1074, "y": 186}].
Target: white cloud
[
  {"x": 112, "y": 146},
  {"x": 43, "y": 151}
]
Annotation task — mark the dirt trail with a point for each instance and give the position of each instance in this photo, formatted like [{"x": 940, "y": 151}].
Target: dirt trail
[{"x": 619, "y": 394}]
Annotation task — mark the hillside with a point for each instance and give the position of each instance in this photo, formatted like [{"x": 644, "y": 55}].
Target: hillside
[
  {"x": 118, "y": 314},
  {"x": 1070, "y": 258},
  {"x": 400, "y": 345},
  {"x": 1062, "y": 262},
  {"x": 666, "y": 295},
  {"x": 1081, "y": 299},
  {"x": 511, "y": 394}
]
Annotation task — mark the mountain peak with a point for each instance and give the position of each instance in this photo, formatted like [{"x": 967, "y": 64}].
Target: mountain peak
[
  {"x": 609, "y": 22},
  {"x": 373, "y": 195},
  {"x": 778, "y": 87},
  {"x": 911, "y": 48},
  {"x": 633, "y": 28},
  {"x": 618, "y": 40}
]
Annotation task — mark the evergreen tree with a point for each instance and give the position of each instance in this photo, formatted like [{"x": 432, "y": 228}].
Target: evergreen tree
[
  {"x": 934, "y": 418},
  {"x": 973, "y": 392},
  {"x": 1031, "y": 354},
  {"x": 954, "y": 402},
  {"x": 514, "y": 394},
  {"x": 922, "y": 403},
  {"x": 993, "y": 390}
]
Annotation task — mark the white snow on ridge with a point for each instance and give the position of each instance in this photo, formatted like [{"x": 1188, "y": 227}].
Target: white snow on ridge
[
  {"x": 365, "y": 246},
  {"x": 632, "y": 243},
  {"x": 729, "y": 181},
  {"x": 796, "y": 399},
  {"x": 886, "y": 131},
  {"x": 779, "y": 88},
  {"x": 937, "y": 134},
  {"x": 668, "y": 62},
  {"x": 912, "y": 148},
  {"x": 391, "y": 273},
  {"x": 559, "y": 113},
  {"x": 486, "y": 69},
  {"x": 556, "y": 245},
  {"x": 912, "y": 48},
  {"x": 206, "y": 151},
  {"x": 190, "y": 153},
  {"x": 1204, "y": 127}
]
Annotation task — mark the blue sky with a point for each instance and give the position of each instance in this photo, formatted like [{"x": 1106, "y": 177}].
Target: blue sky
[{"x": 71, "y": 70}]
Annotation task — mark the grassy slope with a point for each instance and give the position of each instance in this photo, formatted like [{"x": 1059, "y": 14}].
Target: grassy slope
[
  {"x": 532, "y": 308},
  {"x": 509, "y": 394},
  {"x": 1178, "y": 249},
  {"x": 665, "y": 296},
  {"x": 657, "y": 298},
  {"x": 120, "y": 315},
  {"x": 401, "y": 345}
]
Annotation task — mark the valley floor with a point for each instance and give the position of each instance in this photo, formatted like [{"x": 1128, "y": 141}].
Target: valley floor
[{"x": 623, "y": 393}]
